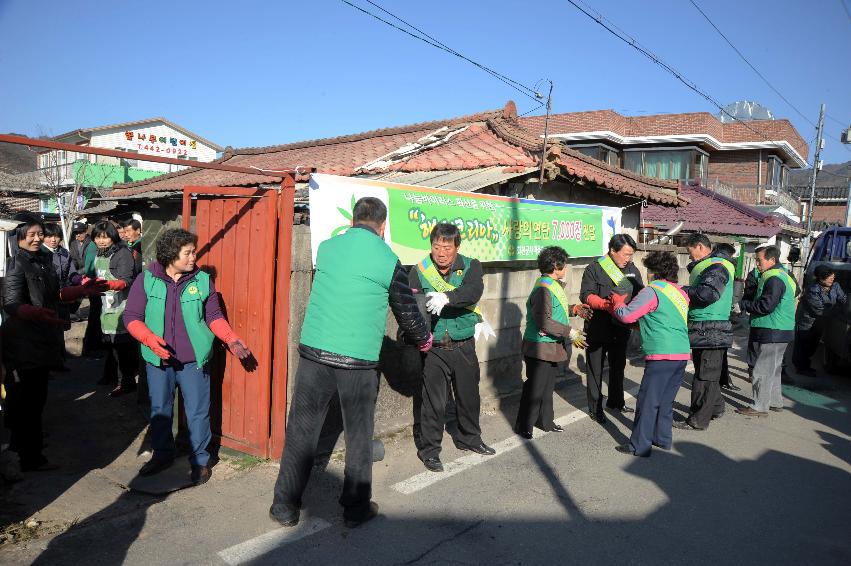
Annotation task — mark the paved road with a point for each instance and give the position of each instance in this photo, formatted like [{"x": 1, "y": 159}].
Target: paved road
[{"x": 773, "y": 490}]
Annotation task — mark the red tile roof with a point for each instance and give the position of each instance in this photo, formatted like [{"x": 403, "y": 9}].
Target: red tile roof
[
  {"x": 710, "y": 212},
  {"x": 471, "y": 142}
]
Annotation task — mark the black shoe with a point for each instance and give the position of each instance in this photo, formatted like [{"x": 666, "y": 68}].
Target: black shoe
[
  {"x": 599, "y": 418},
  {"x": 685, "y": 425},
  {"x": 353, "y": 522},
  {"x": 155, "y": 466},
  {"x": 776, "y": 409},
  {"x": 625, "y": 449},
  {"x": 810, "y": 372},
  {"x": 527, "y": 434},
  {"x": 718, "y": 416},
  {"x": 730, "y": 387},
  {"x": 433, "y": 464},
  {"x": 555, "y": 428},
  {"x": 624, "y": 410},
  {"x": 200, "y": 475},
  {"x": 482, "y": 449},
  {"x": 290, "y": 520}
]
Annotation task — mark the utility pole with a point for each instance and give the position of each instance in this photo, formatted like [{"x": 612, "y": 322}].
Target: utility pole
[
  {"x": 546, "y": 134},
  {"x": 816, "y": 167},
  {"x": 848, "y": 207}
]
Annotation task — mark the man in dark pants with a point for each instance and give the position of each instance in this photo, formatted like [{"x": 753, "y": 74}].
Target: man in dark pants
[
  {"x": 607, "y": 338},
  {"x": 710, "y": 331},
  {"x": 356, "y": 275},
  {"x": 453, "y": 284}
]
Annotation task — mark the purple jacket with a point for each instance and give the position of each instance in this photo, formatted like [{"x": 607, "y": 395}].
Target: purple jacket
[{"x": 175, "y": 333}]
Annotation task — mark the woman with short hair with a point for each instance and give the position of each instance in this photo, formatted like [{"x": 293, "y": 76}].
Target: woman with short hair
[
  {"x": 819, "y": 302},
  {"x": 174, "y": 311},
  {"x": 547, "y": 331},
  {"x": 31, "y": 344},
  {"x": 661, "y": 311}
]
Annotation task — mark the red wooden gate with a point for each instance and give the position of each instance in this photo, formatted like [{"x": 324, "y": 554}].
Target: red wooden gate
[{"x": 244, "y": 239}]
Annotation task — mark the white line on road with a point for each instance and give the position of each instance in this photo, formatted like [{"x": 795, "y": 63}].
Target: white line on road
[
  {"x": 425, "y": 479},
  {"x": 260, "y": 545}
]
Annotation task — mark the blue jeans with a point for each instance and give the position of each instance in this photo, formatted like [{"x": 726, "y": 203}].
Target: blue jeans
[
  {"x": 194, "y": 385},
  {"x": 654, "y": 411}
]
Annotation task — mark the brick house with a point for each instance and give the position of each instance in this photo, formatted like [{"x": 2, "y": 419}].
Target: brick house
[{"x": 749, "y": 162}]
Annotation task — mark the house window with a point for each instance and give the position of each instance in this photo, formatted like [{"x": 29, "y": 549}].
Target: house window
[
  {"x": 673, "y": 165},
  {"x": 600, "y": 152},
  {"x": 777, "y": 173}
]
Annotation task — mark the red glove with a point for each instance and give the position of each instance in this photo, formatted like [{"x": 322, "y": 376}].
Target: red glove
[
  {"x": 597, "y": 302},
  {"x": 617, "y": 301},
  {"x": 225, "y": 333},
  {"x": 113, "y": 285},
  {"x": 427, "y": 345},
  {"x": 39, "y": 314},
  {"x": 143, "y": 334}
]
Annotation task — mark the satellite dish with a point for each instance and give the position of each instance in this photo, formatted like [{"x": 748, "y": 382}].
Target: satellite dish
[{"x": 745, "y": 111}]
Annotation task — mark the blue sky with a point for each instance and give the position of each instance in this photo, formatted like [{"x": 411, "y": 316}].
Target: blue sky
[{"x": 254, "y": 73}]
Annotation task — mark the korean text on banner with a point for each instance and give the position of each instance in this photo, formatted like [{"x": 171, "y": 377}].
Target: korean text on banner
[{"x": 493, "y": 228}]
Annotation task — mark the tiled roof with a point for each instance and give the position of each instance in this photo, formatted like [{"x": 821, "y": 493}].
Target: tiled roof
[
  {"x": 758, "y": 131},
  {"x": 710, "y": 212},
  {"x": 478, "y": 141},
  {"x": 619, "y": 180}
]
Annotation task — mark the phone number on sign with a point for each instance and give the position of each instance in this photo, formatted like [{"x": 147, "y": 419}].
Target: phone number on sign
[{"x": 159, "y": 149}]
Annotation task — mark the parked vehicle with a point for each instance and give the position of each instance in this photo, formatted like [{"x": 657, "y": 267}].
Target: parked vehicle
[{"x": 833, "y": 247}]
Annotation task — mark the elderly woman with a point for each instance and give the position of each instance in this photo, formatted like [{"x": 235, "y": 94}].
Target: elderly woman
[
  {"x": 661, "y": 311},
  {"x": 31, "y": 343},
  {"x": 547, "y": 331},
  {"x": 821, "y": 299},
  {"x": 174, "y": 311}
]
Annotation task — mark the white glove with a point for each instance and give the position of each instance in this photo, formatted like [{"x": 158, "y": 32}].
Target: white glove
[
  {"x": 577, "y": 338},
  {"x": 485, "y": 330},
  {"x": 436, "y": 302}
]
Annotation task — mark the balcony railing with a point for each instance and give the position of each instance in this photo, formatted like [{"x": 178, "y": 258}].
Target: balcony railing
[{"x": 757, "y": 195}]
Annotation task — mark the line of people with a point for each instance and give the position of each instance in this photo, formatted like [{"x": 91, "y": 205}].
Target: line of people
[{"x": 435, "y": 304}]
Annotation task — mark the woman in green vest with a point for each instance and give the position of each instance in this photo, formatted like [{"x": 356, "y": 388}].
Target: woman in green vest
[
  {"x": 661, "y": 311},
  {"x": 114, "y": 265},
  {"x": 174, "y": 311},
  {"x": 547, "y": 329}
]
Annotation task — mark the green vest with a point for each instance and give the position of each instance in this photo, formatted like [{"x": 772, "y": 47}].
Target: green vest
[
  {"x": 460, "y": 323},
  {"x": 720, "y": 309},
  {"x": 783, "y": 316},
  {"x": 559, "y": 309},
  {"x": 665, "y": 331},
  {"x": 112, "y": 302},
  {"x": 347, "y": 310},
  {"x": 192, "y": 301}
]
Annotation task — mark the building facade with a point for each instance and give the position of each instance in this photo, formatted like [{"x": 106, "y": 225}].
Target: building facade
[{"x": 746, "y": 161}]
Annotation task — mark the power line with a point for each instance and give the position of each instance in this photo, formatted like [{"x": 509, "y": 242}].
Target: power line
[
  {"x": 632, "y": 42},
  {"x": 425, "y": 38},
  {"x": 759, "y": 74},
  {"x": 749, "y": 64}
]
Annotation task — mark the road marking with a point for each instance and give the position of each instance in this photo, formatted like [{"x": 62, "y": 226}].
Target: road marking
[
  {"x": 265, "y": 543},
  {"x": 425, "y": 479}
]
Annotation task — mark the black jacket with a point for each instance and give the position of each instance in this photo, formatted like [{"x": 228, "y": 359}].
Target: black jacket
[
  {"x": 602, "y": 327},
  {"x": 709, "y": 334},
  {"x": 30, "y": 280},
  {"x": 818, "y": 304},
  {"x": 77, "y": 250},
  {"x": 772, "y": 292},
  {"x": 122, "y": 264}
]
